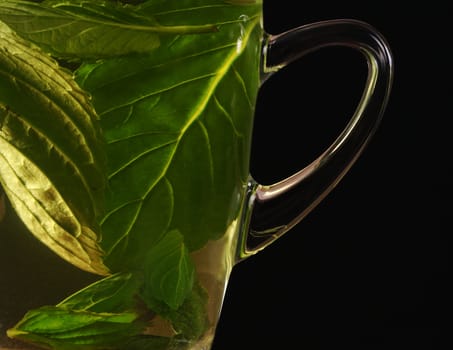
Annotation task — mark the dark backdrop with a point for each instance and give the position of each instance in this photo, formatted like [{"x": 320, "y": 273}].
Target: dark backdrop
[{"x": 369, "y": 267}]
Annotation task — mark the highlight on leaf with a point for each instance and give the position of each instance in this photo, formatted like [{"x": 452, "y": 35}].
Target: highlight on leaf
[
  {"x": 59, "y": 328},
  {"x": 81, "y": 29},
  {"x": 115, "y": 293}
]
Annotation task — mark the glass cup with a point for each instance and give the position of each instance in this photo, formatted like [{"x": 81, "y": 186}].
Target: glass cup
[{"x": 125, "y": 134}]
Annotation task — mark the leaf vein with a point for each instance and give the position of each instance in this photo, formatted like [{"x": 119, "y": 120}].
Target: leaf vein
[
  {"x": 141, "y": 134},
  {"x": 244, "y": 88},
  {"x": 157, "y": 92},
  {"x": 136, "y": 158},
  {"x": 227, "y": 115},
  {"x": 209, "y": 148}
]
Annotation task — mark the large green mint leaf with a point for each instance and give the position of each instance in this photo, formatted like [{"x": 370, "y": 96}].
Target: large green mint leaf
[
  {"x": 178, "y": 127},
  {"x": 51, "y": 159},
  {"x": 169, "y": 271},
  {"x": 63, "y": 329},
  {"x": 81, "y": 29}
]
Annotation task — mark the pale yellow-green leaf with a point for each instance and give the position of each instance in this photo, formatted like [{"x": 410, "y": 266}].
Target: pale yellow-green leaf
[
  {"x": 39, "y": 205},
  {"x": 50, "y": 156}
]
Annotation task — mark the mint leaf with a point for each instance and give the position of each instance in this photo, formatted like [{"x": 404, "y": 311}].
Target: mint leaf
[
  {"x": 116, "y": 293},
  {"x": 173, "y": 134},
  {"x": 168, "y": 271},
  {"x": 198, "y": 12},
  {"x": 81, "y": 29},
  {"x": 58, "y": 328},
  {"x": 51, "y": 153}
]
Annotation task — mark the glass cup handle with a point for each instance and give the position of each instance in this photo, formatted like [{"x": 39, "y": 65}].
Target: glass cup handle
[{"x": 274, "y": 209}]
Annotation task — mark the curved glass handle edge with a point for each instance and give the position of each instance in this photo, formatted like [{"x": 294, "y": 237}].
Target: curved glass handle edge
[{"x": 275, "y": 209}]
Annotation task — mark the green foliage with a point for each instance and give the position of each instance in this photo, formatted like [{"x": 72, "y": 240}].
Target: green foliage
[
  {"x": 190, "y": 320},
  {"x": 126, "y": 165},
  {"x": 169, "y": 272},
  {"x": 114, "y": 294},
  {"x": 58, "y": 328},
  {"x": 52, "y": 156},
  {"x": 177, "y": 124},
  {"x": 80, "y": 29}
]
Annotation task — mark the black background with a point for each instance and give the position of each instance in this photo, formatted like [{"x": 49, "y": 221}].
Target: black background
[{"x": 369, "y": 267}]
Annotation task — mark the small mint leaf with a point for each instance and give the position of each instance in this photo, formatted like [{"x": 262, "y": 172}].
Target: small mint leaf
[{"x": 169, "y": 271}]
